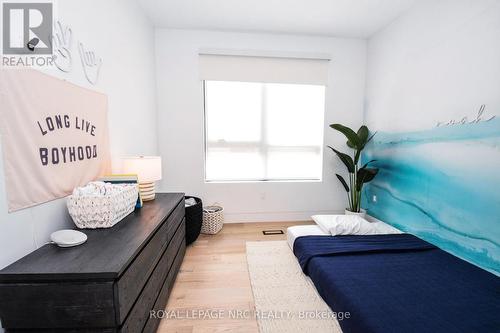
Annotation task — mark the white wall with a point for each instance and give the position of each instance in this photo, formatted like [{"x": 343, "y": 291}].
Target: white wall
[
  {"x": 119, "y": 32},
  {"x": 439, "y": 61},
  {"x": 180, "y": 122}
]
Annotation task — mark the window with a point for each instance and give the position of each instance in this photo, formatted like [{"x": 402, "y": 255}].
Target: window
[
  {"x": 263, "y": 115},
  {"x": 263, "y": 131}
]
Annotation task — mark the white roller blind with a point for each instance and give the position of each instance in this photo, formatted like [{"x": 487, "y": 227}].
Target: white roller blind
[{"x": 263, "y": 69}]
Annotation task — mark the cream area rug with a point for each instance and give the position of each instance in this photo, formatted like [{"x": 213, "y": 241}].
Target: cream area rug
[{"x": 285, "y": 299}]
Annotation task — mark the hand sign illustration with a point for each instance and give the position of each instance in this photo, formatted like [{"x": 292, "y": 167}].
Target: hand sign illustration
[
  {"x": 62, "y": 43},
  {"x": 91, "y": 64}
]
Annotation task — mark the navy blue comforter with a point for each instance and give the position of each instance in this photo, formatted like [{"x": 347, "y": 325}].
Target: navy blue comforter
[{"x": 399, "y": 283}]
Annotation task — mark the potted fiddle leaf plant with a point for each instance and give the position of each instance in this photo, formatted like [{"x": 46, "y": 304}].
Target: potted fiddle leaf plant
[{"x": 358, "y": 176}]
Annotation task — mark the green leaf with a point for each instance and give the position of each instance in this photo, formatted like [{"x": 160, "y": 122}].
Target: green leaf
[
  {"x": 363, "y": 135},
  {"x": 342, "y": 180},
  {"x": 370, "y": 174},
  {"x": 365, "y": 175},
  {"x": 346, "y": 159},
  {"x": 351, "y": 136},
  {"x": 350, "y": 145},
  {"x": 366, "y": 164},
  {"x": 370, "y": 138}
]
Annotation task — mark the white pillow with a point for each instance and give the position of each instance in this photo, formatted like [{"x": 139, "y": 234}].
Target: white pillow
[{"x": 350, "y": 225}]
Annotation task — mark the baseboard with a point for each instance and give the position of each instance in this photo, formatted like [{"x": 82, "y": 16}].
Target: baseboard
[{"x": 273, "y": 216}]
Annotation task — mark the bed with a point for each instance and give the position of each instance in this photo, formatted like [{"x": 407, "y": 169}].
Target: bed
[{"x": 399, "y": 283}]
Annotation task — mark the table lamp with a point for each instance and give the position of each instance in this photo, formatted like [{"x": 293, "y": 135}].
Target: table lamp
[{"x": 148, "y": 170}]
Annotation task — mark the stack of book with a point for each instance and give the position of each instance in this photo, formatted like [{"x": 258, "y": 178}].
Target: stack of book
[{"x": 124, "y": 179}]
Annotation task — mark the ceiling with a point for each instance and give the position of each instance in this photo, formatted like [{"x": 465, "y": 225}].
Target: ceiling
[{"x": 340, "y": 18}]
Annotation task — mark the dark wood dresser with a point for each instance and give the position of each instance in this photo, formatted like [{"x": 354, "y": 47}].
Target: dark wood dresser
[{"x": 109, "y": 284}]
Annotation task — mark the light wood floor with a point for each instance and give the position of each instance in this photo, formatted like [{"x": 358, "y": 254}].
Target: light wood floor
[{"x": 214, "y": 276}]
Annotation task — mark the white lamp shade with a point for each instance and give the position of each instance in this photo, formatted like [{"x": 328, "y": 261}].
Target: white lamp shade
[{"x": 147, "y": 168}]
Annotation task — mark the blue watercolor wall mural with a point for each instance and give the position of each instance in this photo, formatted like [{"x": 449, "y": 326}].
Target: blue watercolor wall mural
[{"x": 443, "y": 185}]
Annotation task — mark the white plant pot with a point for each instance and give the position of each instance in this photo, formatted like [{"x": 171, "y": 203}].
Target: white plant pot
[{"x": 362, "y": 213}]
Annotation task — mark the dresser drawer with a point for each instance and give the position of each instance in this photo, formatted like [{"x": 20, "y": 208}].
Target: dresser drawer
[
  {"x": 140, "y": 312},
  {"x": 134, "y": 278},
  {"x": 161, "y": 301},
  {"x": 57, "y": 305}
]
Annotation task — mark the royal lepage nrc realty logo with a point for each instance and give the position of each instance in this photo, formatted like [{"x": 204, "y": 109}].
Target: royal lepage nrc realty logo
[{"x": 27, "y": 33}]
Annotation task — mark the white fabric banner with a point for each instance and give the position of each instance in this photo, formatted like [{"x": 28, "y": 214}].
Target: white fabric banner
[{"x": 54, "y": 136}]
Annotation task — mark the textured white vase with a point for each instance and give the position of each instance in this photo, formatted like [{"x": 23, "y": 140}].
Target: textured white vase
[{"x": 362, "y": 213}]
